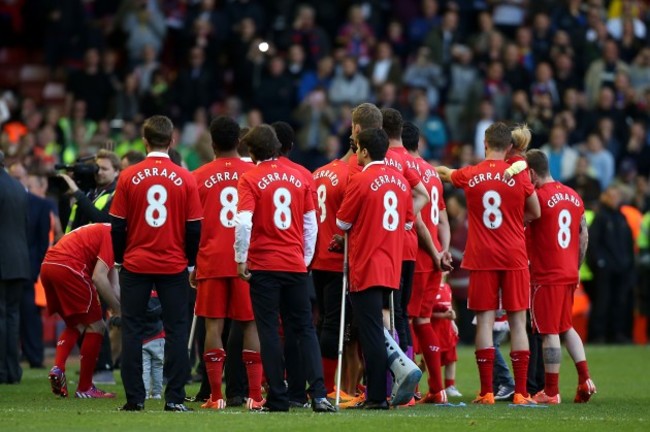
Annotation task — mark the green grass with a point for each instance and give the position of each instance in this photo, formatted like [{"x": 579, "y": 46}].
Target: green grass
[{"x": 622, "y": 403}]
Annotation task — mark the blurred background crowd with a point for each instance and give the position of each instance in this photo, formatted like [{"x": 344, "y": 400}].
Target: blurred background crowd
[{"x": 78, "y": 74}]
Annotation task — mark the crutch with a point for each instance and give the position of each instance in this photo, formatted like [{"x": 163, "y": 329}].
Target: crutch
[
  {"x": 342, "y": 321},
  {"x": 391, "y": 305},
  {"x": 191, "y": 340}
]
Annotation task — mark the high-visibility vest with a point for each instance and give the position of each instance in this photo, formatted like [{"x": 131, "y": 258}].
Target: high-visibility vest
[
  {"x": 585, "y": 271},
  {"x": 643, "y": 240},
  {"x": 99, "y": 203}
]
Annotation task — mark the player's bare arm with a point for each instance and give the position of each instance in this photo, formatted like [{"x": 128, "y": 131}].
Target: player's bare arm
[
  {"x": 420, "y": 197},
  {"x": 114, "y": 279},
  {"x": 533, "y": 210},
  {"x": 444, "y": 235},
  {"x": 445, "y": 173},
  {"x": 243, "y": 229},
  {"x": 192, "y": 278},
  {"x": 426, "y": 242},
  {"x": 584, "y": 240},
  {"x": 104, "y": 286}
]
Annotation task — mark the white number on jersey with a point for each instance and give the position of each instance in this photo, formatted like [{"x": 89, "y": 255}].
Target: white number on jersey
[
  {"x": 564, "y": 233},
  {"x": 492, "y": 216},
  {"x": 282, "y": 214},
  {"x": 156, "y": 212},
  {"x": 391, "y": 217},
  {"x": 322, "y": 196},
  {"x": 435, "y": 211},
  {"x": 228, "y": 199}
]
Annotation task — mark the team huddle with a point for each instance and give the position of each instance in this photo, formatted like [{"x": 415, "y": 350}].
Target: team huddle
[{"x": 370, "y": 229}]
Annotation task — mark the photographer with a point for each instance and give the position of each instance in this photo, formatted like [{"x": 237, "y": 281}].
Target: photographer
[{"x": 93, "y": 206}]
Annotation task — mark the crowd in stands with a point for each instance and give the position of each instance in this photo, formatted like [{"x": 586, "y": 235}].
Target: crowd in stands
[{"x": 576, "y": 71}]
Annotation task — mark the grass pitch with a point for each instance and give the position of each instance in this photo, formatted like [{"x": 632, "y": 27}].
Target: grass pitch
[{"x": 622, "y": 404}]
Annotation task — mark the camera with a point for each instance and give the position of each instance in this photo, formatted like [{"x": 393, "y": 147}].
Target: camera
[{"x": 83, "y": 172}]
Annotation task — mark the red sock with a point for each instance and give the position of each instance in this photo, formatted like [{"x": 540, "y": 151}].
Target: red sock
[
  {"x": 581, "y": 367},
  {"x": 64, "y": 346},
  {"x": 520, "y": 370},
  {"x": 89, "y": 353},
  {"x": 485, "y": 362},
  {"x": 449, "y": 382},
  {"x": 329, "y": 372},
  {"x": 214, "y": 367},
  {"x": 253, "y": 362},
  {"x": 551, "y": 383},
  {"x": 431, "y": 354}
]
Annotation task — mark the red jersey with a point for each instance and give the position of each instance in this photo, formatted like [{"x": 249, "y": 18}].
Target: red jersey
[
  {"x": 441, "y": 326},
  {"x": 430, "y": 212},
  {"x": 278, "y": 198},
  {"x": 554, "y": 238},
  {"x": 515, "y": 158},
  {"x": 156, "y": 197},
  {"x": 378, "y": 206},
  {"x": 330, "y": 181},
  {"x": 217, "y": 183},
  {"x": 80, "y": 249},
  {"x": 495, "y": 240},
  {"x": 305, "y": 174}
]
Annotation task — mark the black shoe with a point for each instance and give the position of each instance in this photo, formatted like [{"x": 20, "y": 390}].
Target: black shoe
[
  {"x": 296, "y": 404},
  {"x": 201, "y": 398},
  {"x": 369, "y": 405},
  {"x": 235, "y": 401},
  {"x": 130, "y": 406},
  {"x": 322, "y": 405},
  {"x": 169, "y": 406}
]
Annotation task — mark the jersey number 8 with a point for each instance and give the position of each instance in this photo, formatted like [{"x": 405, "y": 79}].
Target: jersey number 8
[
  {"x": 492, "y": 216},
  {"x": 156, "y": 213},
  {"x": 282, "y": 214}
]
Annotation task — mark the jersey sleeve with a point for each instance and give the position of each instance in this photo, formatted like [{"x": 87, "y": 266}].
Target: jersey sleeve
[
  {"x": 349, "y": 209},
  {"x": 194, "y": 209},
  {"x": 119, "y": 206},
  {"x": 527, "y": 185},
  {"x": 106, "y": 251},
  {"x": 410, "y": 214},
  {"x": 246, "y": 196},
  {"x": 411, "y": 177},
  {"x": 459, "y": 178},
  {"x": 310, "y": 197}
]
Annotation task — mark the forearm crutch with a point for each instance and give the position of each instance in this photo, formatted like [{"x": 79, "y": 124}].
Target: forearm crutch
[{"x": 344, "y": 289}]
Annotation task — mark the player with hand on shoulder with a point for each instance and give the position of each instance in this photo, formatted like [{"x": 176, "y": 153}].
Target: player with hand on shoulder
[
  {"x": 221, "y": 293},
  {"x": 496, "y": 256},
  {"x": 557, "y": 244}
]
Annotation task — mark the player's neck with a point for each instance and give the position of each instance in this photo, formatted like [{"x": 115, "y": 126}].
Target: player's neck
[
  {"x": 415, "y": 154},
  {"x": 495, "y": 155},
  {"x": 227, "y": 154},
  {"x": 395, "y": 143},
  {"x": 346, "y": 157},
  {"x": 546, "y": 180}
]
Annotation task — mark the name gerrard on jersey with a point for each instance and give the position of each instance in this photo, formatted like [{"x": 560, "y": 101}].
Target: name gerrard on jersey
[
  {"x": 154, "y": 172},
  {"x": 386, "y": 179},
  {"x": 270, "y": 178},
  {"x": 333, "y": 178},
  {"x": 556, "y": 198},
  {"x": 479, "y": 178},
  {"x": 219, "y": 177}
]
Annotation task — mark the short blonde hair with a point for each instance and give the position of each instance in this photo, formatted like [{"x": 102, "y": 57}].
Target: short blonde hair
[{"x": 521, "y": 137}]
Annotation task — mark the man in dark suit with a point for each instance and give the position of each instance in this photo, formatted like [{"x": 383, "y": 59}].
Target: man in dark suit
[{"x": 14, "y": 270}]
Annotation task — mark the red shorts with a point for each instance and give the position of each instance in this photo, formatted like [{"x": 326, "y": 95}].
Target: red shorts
[
  {"x": 444, "y": 332},
  {"x": 499, "y": 289},
  {"x": 71, "y": 294},
  {"x": 423, "y": 296},
  {"x": 551, "y": 308},
  {"x": 227, "y": 297},
  {"x": 448, "y": 357}
]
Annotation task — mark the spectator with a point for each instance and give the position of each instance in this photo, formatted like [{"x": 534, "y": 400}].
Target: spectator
[
  {"x": 14, "y": 271},
  {"x": 398, "y": 42},
  {"x": 561, "y": 157},
  {"x": 542, "y": 37},
  {"x": 495, "y": 89},
  {"x": 356, "y": 36},
  {"x": 127, "y": 103},
  {"x": 90, "y": 85},
  {"x": 440, "y": 40},
  {"x": 424, "y": 74},
  {"x": 640, "y": 71},
  {"x": 611, "y": 257},
  {"x": 144, "y": 25},
  {"x": 486, "y": 118},
  {"x": 239, "y": 10},
  {"x": 431, "y": 127},
  {"x": 316, "y": 119},
  {"x": 158, "y": 97},
  {"x": 195, "y": 86},
  {"x": 637, "y": 150},
  {"x": 627, "y": 18},
  {"x": 387, "y": 97},
  {"x": 310, "y": 36},
  {"x": 544, "y": 83},
  {"x": 600, "y": 159},
  {"x": 145, "y": 69},
  {"x": 585, "y": 183},
  {"x": 513, "y": 72},
  {"x": 603, "y": 71},
  {"x": 462, "y": 78},
  {"x": 421, "y": 25},
  {"x": 275, "y": 95},
  {"x": 384, "y": 67},
  {"x": 509, "y": 15},
  {"x": 321, "y": 77},
  {"x": 349, "y": 86},
  {"x": 565, "y": 75},
  {"x": 296, "y": 66}
]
